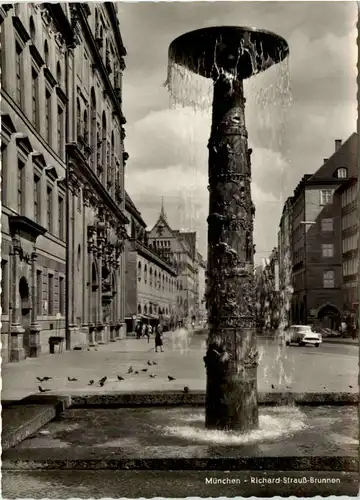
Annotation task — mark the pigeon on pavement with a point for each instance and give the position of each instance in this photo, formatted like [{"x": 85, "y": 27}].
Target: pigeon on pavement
[
  {"x": 40, "y": 379},
  {"x": 149, "y": 363},
  {"x": 171, "y": 378},
  {"x": 272, "y": 386},
  {"x": 120, "y": 378},
  {"x": 102, "y": 381},
  {"x": 41, "y": 389},
  {"x": 91, "y": 382},
  {"x": 136, "y": 373},
  {"x": 154, "y": 363},
  {"x": 144, "y": 369},
  {"x": 186, "y": 389},
  {"x": 130, "y": 370},
  {"x": 45, "y": 379},
  {"x": 152, "y": 375},
  {"x": 72, "y": 379}
]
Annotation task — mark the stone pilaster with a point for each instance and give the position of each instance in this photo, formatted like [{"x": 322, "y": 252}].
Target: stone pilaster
[
  {"x": 34, "y": 344},
  {"x": 17, "y": 351},
  {"x": 100, "y": 331},
  {"x": 9, "y": 70}
]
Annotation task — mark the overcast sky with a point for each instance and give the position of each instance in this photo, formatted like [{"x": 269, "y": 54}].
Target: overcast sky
[{"x": 167, "y": 147}]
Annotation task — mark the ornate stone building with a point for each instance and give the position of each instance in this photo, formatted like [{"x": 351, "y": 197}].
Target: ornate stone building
[
  {"x": 151, "y": 278},
  {"x": 63, "y": 221},
  {"x": 180, "y": 248}
]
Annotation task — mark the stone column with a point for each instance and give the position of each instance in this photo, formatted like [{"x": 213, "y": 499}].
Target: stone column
[
  {"x": 17, "y": 351},
  {"x": 35, "y": 346},
  {"x": 99, "y": 316},
  {"x": 231, "y": 358}
]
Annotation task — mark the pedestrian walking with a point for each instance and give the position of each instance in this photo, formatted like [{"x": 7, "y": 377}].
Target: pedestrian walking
[
  {"x": 159, "y": 338},
  {"x": 138, "y": 329},
  {"x": 143, "y": 330},
  {"x": 148, "y": 331}
]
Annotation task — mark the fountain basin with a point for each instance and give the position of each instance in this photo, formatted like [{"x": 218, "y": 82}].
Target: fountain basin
[
  {"x": 203, "y": 49},
  {"x": 161, "y": 438}
]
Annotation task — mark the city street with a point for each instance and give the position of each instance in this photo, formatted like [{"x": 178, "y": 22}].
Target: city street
[{"x": 330, "y": 368}]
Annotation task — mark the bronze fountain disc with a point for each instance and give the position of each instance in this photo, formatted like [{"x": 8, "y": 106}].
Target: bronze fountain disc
[{"x": 199, "y": 50}]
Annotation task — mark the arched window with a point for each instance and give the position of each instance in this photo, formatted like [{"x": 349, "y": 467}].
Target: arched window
[
  {"x": 46, "y": 53},
  {"x": 93, "y": 127},
  {"x": 139, "y": 271},
  {"x": 78, "y": 119},
  {"x": 58, "y": 73},
  {"x": 96, "y": 22},
  {"x": 139, "y": 309},
  {"x": 145, "y": 309},
  {"x": 103, "y": 139},
  {"x": 151, "y": 276},
  {"x": 150, "y": 309},
  {"x": 32, "y": 29},
  {"x": 86, "y": 127},
  {"x": 145, "y": 273}
]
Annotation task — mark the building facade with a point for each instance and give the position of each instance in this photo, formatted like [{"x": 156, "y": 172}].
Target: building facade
[
  {"x": 316, "y": 239},
  {"x": 285, "y": 263},
  {"x": 180, "y": 248},
  {"x": 151, "y": 279},
  {"x": 347, "y": 198},
  {"x": 63, "y": 220},
  {"x": 202, "y": 267}
]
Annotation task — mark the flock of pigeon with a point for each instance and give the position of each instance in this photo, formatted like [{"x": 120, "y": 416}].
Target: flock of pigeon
[{"x": 102, "y": 381}]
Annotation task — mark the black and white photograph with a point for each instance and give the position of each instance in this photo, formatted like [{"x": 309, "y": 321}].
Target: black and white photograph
[{"x": 180, "y": 272}]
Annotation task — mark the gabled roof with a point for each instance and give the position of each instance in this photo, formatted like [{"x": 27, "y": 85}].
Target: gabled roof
[
  {"x": 345, "y": 156},
  {"x": 190, "y": 239}
]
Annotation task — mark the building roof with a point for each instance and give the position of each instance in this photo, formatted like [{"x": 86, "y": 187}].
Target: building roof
[
  {"x": 349, "y": 182},
  {"x": 345, "y": 156},
  {"x": 131, "y": 208}
]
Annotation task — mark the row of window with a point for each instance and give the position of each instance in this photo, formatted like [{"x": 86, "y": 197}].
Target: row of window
[
  {"x": 350, "y": 267},
  {"x": 350, "y": 243},
  {"x": 161, "y": 244},
  {"x": 349, "y": 220},
  {"x": 349, "y": 196},
  {"x": 149, "y": 309},
  {"x": 50, "y": 292},
  {"x": 156, "y": 279},
  {"x": 40, "y": 204},
  {"x": 37, "y": 99}
]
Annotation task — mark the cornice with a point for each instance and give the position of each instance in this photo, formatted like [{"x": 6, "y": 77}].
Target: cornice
[{"x": 89, "y": 174}]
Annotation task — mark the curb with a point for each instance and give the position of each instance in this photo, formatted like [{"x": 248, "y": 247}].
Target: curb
[
  {"x": 28, "y": 416},
  {"x": 14, "y": 460}
]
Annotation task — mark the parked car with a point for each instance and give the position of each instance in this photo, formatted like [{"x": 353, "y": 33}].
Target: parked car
[{"x": 302, "y": 335}]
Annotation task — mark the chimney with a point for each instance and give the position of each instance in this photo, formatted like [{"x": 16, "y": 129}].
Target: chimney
[
  {"x": 325, "y": 160},
  {"x": 337, "y": 144}
]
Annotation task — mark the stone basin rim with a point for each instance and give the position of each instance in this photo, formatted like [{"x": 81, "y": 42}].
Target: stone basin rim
[{"x": 195, "y": 49}]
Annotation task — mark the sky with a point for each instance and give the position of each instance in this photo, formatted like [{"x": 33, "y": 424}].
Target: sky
[{"x": 290, "y": 132}]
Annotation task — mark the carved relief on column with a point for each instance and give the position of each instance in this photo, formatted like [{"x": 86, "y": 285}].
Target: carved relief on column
[{"x": 231, "y": 357}]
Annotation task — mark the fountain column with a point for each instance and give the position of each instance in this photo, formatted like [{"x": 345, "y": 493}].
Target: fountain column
[{"x": 231, "y": 358}]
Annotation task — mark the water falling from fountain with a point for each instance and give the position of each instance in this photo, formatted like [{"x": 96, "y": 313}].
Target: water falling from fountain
[
  {"x": 268, "y": 96},
  {"x": 275, "y": 423}
]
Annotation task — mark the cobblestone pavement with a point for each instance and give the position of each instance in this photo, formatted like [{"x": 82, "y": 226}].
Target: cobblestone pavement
[{"x": 329, "y": 368}]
